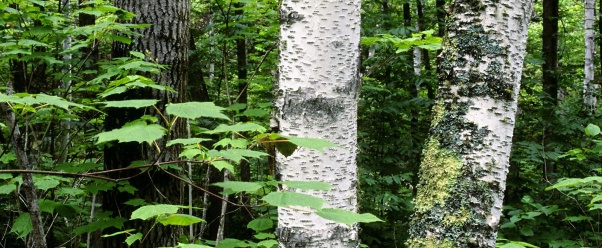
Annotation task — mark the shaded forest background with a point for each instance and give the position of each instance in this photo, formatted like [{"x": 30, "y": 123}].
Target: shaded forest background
[{"x": 233, "y": 63}]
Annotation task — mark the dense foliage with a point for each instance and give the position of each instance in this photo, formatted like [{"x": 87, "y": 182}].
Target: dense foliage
[{"x": 63, "y": 75}]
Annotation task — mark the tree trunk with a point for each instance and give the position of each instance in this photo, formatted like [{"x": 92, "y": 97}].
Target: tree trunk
[
  {"x": 318, "y": 89},
  {"x": 590, "y": 89},
  {"x": 550, "y": 51},
  {"x": 463, "y": 172},
  {"x": 165, "y": 42}
]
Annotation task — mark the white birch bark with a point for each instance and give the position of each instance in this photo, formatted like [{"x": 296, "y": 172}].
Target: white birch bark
[
  {"x": 466, "y": 158},
  {"x": 318, "y": 89},
  {"x": 590, "y": 89}
]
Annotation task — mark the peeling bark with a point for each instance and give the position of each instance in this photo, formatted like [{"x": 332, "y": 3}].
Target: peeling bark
[
  {"x": 466, "y": 159},
  {"x": 317, "y": 95}
]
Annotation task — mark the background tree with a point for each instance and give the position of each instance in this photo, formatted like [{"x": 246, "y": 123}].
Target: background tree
[
  {"x": 463, "y": 172},
  {"x": 318, "y": 88},
  {"x": 164, "y": 42}
]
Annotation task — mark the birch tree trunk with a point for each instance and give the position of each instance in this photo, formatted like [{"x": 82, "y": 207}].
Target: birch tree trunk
[
  {"x": 465, "y": 162},
  {"x": 590, "y": 98},
  {"x": 318, "y": 89}
]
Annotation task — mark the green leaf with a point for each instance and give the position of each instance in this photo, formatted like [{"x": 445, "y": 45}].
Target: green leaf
[
  {"x": 135, "y": 131},
  {"x": 100, "y": 225},
  {"x": 345, "y": 216},
  {"x": 286, "y": 148},
  {"x": 238, "y": 127},
  {"x": 268, "y": 243},
  {"x": 577, "y": 218},
  {"x": 135, "y": 202},
  {"x": 311, "y": 143},
  {"x": 236, "y": 155},
  {"x": 7, "y": 188},
  {"x": 526, "y": 231},
  {"x": 4, "y": 176},
  {"x": 180, "y": 245},
  {"x": 255, "y": 113},
  {"x": 592, "y": 130},
  {"x": 194, "y": 110},
  {"x": 133, "y": 238},
  {"x": 220, "y": 165},
  {"x": 287, "y": 198},
  {"x": 264, "y": 236},
  {"x": 147, "y": 212},
  {"x": 178, "y": 219},
  {"x": 46, "y": 182},
  {"x": 130, "y": 103},
  {"x": 307, "y": 185},
  {"x": 260, "y": 224},
  {"x": 188, "y": 141},
  {"x": 238, "y": 187},
  {"x": 22, "y": 225}
]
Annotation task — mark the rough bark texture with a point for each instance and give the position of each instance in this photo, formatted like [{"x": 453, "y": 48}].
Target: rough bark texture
[
  {"x": 37, "y": 237},
  {"x": 165, "y": 42},
  {"x": 317, "y": 97},
  {"x": 590, "y": 89},
  {"x": 550, "y": 50},
  {"x": 463, "y": 172}
]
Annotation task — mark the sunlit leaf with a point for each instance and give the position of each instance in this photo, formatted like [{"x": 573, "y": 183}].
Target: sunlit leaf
[
  {"x": 286, "y": 198},
  {"x": 194, "y": 110},
  {"x": 345, "y": 216},
  {"x": 238, "y": 187},
  {"x": 135, "y": 131},
  {"x": 178, "y": 219}
]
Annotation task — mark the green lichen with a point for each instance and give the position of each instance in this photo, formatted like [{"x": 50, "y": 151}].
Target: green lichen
[
  {"x": 438, "y": 113},
  {"x": 458, "y": 218},
  {"x": 429, "y": 242},
  {"x": 438, "y": 172}
]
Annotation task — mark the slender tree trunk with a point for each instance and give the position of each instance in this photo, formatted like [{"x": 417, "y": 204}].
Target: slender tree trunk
[
  {"x": 37, "y": 237},
  {"x": 165, "y": 42},
  {"x": 463, "y": 172},
  {"x": 590, "y": 89},
  {"x": 318, "y": 90},
  {"x": 550, "y": 51}
]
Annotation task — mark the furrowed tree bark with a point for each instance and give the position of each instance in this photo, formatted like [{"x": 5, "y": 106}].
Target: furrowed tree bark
[
  {"x": 165, "y": 42},
  {"x": 317, "y": 93},
  {"x": 465, "y": 162}
]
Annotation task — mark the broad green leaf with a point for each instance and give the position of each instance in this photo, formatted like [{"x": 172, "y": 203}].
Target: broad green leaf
[
  {"x": 264, "y": 236},
  {"x": 133, "y": 238},
  {"x": 22, "y": 225},
  {"x": 345, "y": 216},
  {"x": 234, "y": 143},
  {"x": 220, "y": 165},
  {"x": 255, "y": 113},
  {"x": 46, "y": 182},
  {"x": 311, "y": 143},
  {"x": 130, "y": 103},
  {"x": 135, "y": 131},
  {"x": 178, "y": 219},
  {"x": 188, "y": 141},
  {"x": 100, "y": 225},
  {"x": 238, "y": 127},
  {"x": 526, "y": 231},
  {"x": 260, "y": 224},
  {"x": 4, "y": 176},
  {"x": 194, "y": 110},
  {"x": 287, "y": 198},
  {"x": 238, "y": 187},
  {"x": 147, "y": 212},
  {"x": 180, "y": 245},
  {"x": 592, "y": 130},
  {"x": 577, "y": 218},
  {"x": 135, "y": 202},
  {"x": 70, "y": 191},
  {"x": 268, "y": 243},
  {"x": 565, "y": 183},
  {"x": 307, "y": 185},
  {"x": 237, "y": 106},
  {"x": 7, "y": 188},
  {"x": 190, "y": 152},
  {"x": 236, "y": 155},
  {"x": 285, "y": 147}
]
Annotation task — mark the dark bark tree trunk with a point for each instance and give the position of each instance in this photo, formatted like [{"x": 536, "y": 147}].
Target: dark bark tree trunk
[
  {"x": 165, "y": 42},
  {"x": 550, "y": 51}
]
